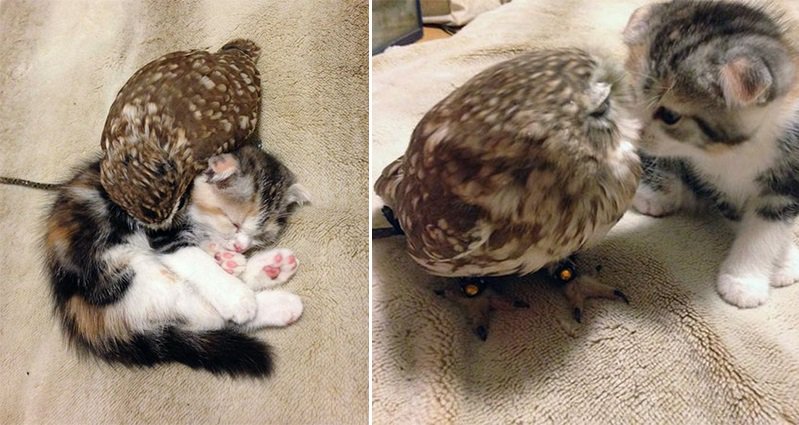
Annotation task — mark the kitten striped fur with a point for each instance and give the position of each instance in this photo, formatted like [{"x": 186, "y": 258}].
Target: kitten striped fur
[{"x": 716, "y": 82}]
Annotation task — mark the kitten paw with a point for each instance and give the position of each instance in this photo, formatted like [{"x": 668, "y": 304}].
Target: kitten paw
[
  {"x": 743, "y": 292},
  {"x": 210, "y": 247},
  {"x": 270, "y": 268},
  {"x": 782, "y": 278},
  {"x": 654, "y": 203},
  {"x": 237, "y": 304},
  {"x": 787, "y": 271},
  {"x": 231, "y": 262},
  {"x": 277, "y": 308}
]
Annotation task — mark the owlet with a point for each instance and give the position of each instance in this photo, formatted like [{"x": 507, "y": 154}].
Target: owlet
[
  {"x": 169, "y": 118},
  {"x": 530, "y": 161}
]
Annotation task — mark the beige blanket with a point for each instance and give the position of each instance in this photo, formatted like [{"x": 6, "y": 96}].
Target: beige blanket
[
  {"x": 676, "y": 354},
  {"x": 62, "y": 63}
]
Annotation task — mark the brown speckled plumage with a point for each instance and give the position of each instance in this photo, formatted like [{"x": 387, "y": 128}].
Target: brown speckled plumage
[
  {"x": 511, "y": 172},
  {"x": 522, "y": 166},
  {"x": 169, "y": 118}
]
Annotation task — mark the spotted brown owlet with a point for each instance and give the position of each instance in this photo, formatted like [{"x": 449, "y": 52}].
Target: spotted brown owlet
[
  {"x": 527, "y": 163},
  {"x": 169, "y": 118}
]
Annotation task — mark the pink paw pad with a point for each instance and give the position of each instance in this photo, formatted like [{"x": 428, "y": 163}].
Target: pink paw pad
[
  {"x": 230, "y": 262},
  {"x": 272, "y": 271},
  {"x": 269, "y": 268}
]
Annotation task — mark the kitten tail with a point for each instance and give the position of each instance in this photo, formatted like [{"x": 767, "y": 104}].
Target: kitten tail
[{"x": 221, "y": 352}]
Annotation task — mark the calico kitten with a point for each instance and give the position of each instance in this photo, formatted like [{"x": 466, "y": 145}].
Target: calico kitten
[
  {"x": 137, "y": 296},
  {"x": 718, "y": 87},
  {"x": 239, "y": 205}
]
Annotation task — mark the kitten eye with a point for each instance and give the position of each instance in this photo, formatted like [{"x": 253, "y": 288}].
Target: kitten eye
[
  {"x": 602, "y": 109},
  {"x": 668, "y": 116}
]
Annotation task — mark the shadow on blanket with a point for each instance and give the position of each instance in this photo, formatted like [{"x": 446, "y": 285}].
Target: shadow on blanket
[{"x": 546, "y": 330}]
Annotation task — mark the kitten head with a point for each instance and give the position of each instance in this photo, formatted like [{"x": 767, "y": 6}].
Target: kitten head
[
  {"x": 706, "y": 75},
  {"x": 243, "y": 198}
]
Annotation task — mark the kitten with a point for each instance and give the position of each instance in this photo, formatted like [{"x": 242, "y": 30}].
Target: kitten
[
  {"x": 137, "y": 296},
  {"x": 718, "y": 89},
  {"x": 233, "y": 217},
  {"x": 223, "y": 193}
]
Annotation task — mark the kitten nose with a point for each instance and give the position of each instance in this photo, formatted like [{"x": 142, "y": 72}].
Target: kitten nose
[{"x": 238, "y": 247}]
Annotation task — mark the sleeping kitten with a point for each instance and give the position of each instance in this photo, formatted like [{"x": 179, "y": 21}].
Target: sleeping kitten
[
  {"x": 233, "y": 217},
  {"x": 718, "y": 88},
  {"x": 139, "y": 296}
]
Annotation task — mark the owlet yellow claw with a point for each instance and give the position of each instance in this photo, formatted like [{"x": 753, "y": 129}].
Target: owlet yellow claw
[{"x": 169, "y": 118}]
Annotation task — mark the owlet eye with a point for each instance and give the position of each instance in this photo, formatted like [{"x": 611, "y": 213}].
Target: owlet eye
[{"x": 668, "y": 116}]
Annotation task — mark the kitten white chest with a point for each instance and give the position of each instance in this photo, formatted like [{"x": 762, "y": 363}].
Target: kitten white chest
[{"x": 735, "y": 171}]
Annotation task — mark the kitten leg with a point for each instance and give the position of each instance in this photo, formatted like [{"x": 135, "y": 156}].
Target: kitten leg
[
  {"x": 787, "y": 271},
  {"x": 229, "y": 295},
  {"x": 270, "y": 268},
  {"x": 196, "y": 313},
  {"x": 275, "y": 309},
  {"x": 158, "y": 296},
  {"x": 745, "y": 273}
]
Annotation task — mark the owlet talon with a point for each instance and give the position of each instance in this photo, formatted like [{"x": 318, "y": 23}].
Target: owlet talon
[
  {"x": 585, "y": 287},
  {"x": 520, "y": 304},
  {"x": 481, "y": 332},
  {"x": 478, "y": 307},
  {"x": 621, "y": 295},
  {"x": 578, "y": 315}
]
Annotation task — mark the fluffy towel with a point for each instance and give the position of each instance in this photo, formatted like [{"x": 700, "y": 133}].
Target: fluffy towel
[
  {"x": 676, "y": 354},
  {"x": 62, "y": 64}
]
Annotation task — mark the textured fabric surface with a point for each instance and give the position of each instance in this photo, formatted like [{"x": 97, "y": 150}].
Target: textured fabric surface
[
  {"x": 62, "y": 64},
  {"x": 676, "y": 354}
]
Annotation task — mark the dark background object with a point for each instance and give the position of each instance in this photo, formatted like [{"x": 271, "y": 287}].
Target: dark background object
[{"x": 395, "y": 23}]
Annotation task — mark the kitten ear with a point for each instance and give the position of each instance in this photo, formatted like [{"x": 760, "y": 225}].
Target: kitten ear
[
  {"x": 745, "y": 81},
  {"x": 221, "y": 168},
  {"x": 296, "y": 194},
  {"x": 638, "y": 24}
]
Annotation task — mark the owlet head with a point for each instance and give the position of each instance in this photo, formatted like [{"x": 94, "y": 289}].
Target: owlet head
[
  {"x": 150, "y": 186},
  {"x": 581, "y": 96}
]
